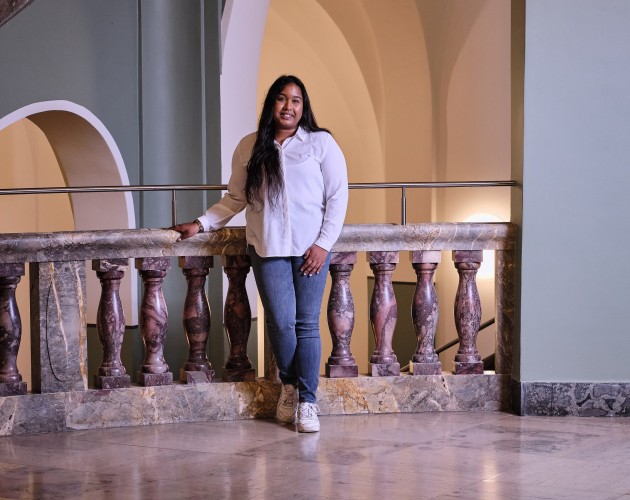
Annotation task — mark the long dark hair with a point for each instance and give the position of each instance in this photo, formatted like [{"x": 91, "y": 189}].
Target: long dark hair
[{"x": 264, "y": 165}]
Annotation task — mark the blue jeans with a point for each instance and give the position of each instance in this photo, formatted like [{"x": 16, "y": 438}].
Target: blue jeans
[{"x": 292, "y": 305}]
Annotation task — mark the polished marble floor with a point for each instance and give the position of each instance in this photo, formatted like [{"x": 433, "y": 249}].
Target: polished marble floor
[{"x": 425, "y": 456}]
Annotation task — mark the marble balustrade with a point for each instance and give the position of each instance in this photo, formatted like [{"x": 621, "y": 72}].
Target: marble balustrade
[{"x": 58, "y": 306}]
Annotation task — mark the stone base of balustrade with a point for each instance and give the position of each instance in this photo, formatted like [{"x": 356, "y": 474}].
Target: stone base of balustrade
[
  {"x": 112, "y": 382},
  {"x": 12, "y": 389},
  {"x": 155, "y": 379},
  {"x": 425, "y": 368},
  {"x": 239, "y": 375},
  {"x": 91, "y": 409},
  {"x": 384, "y": 370},
  {"x": 196, "y": 377},
  {"x": 339, "y": 371},
  {"x": 468, "y": 368}
]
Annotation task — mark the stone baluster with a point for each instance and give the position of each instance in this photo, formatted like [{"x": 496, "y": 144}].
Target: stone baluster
[
  {"x": 424, "y": 313},
  {"x": 197, "y": 368},
  {"x": 153, "y": 321},
  {"x": 383, "y": 314},
  {"x": 238, "y": 319},
  {"x": 11, "y": 383},
  {"x": 467, "y": 311},
  {"x": 110, "y": 324},
  {"x": 341, "y": 363}
]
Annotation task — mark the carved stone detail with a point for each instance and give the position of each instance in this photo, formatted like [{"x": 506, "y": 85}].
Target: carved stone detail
[
  {"x": 10, "y": 331},
  {"x": 110, "y": 324},
  {"x": 424, "y": 313},
  {"x": 153, "y": 321},
  {"x": 383, "y": 314},
  {"x": 238, "y": 319},
  {"x": 467, "y": 311},
  {"x": 197, "y": 318},
  {"x": 341, "y": 363}
]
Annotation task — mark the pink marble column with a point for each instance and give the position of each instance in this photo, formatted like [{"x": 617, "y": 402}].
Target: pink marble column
[
  {"x": 341, "y": 363},
  {"x": 424, "y": 313},
  {"x": 110, "y": 324},
  {"x": 383, "y": 314},
  {"x": 11, "y": 383},
  {"x": 197, "y": 368},
  {"x": 467, "y": 311},
  {"x": 153, "y": 321},
  {"x": 238, "y": 319}
]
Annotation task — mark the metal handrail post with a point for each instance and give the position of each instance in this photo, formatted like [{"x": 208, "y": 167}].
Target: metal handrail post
[
  {"x": 403, "y": 207},
  {"x": 173, "y": 207}
]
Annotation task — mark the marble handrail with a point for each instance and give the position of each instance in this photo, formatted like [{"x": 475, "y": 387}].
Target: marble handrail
[{"x": 138, "y": 243}]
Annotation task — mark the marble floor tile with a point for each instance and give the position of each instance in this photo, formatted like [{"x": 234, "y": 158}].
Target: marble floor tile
[{"x": 437, "y": 456}]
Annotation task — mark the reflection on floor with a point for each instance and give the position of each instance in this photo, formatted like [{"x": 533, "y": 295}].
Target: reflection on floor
[{"x": 427, "y": 456}]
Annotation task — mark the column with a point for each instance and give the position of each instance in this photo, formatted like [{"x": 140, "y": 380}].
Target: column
[
  {"x": 341, "y": 363},
  {"x": 153, "y": 321},
  {"x": 424, "y": 313},
  {"x": 238, "y": 319},
  {"x": 383, "y": 314},
  {"x": 197, "y": 368},
  {"x": 467, "y": 311},
  {"x": 11, "y": 383},
  {"x": 110, "y": 324}
]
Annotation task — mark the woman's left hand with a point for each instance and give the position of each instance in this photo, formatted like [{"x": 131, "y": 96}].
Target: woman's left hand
[{"x": 314, "y": 259}]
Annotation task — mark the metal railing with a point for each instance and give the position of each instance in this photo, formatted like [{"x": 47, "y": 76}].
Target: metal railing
[{"x": 173, "y": 188}]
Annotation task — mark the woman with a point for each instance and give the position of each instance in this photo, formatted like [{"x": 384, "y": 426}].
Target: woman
[{"x": 291, "y": 178}]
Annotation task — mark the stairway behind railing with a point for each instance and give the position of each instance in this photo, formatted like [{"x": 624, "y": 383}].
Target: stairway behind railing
[{"x": 58, "y": 312}]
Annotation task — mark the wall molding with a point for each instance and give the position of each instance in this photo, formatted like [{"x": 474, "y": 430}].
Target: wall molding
[{"x": 579, "y": 399}]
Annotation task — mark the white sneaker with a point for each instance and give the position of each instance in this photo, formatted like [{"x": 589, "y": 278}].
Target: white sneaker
[
  {"x": 307, "y": 417},
  {"x": 287, "y": 404}
]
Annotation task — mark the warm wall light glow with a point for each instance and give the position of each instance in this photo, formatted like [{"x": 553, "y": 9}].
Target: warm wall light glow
[{"x": 486, "y": 271}]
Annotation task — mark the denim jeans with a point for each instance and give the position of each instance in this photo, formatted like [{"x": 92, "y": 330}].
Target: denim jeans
[{"x": 292, "y": 305}]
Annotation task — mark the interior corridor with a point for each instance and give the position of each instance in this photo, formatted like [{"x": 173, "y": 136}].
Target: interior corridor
[{"x": 426, "y": 455}]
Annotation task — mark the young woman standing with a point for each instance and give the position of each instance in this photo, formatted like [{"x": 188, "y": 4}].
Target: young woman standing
[{"x": 290, "y": 176}]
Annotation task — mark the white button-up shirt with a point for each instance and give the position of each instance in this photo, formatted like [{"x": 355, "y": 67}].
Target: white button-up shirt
[{"x": 311, "y": 208}]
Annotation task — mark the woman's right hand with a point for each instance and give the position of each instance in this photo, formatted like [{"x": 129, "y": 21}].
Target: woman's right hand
[{"x": 186, "y": 230}]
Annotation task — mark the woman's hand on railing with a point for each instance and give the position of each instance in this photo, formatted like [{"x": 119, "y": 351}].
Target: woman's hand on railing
[{"x": 186, "y": 230}]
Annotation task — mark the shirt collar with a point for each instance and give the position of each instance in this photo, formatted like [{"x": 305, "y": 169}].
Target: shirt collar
[{"x": 301, "y": 134}]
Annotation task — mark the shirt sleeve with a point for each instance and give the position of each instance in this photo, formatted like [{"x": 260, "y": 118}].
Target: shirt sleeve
[
  {"x": 335, "y": 176},
  {"x": 234, "y": 201}
]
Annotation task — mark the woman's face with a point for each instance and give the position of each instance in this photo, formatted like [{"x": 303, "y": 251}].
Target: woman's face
[{"x": 287, "y": 110}]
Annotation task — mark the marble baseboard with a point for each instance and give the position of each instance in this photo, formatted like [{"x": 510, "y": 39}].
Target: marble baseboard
[
  {"x": 78, "y": 410},
  {"x": 571, "y": 399}
]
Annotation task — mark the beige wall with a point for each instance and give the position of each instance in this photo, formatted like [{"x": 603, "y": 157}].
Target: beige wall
[{"x": 413, "y": 91}]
